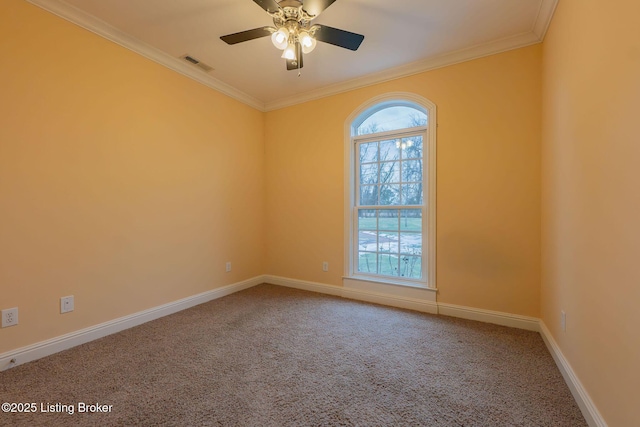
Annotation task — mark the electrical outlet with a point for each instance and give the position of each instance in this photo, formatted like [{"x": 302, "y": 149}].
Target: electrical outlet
[
  {"x": 563, "y": 320},
  {"x": 9, "y": 317},
  {"x": 66, "y": 304},
  {"x": 325, "y": 266},
  {"x": 228, "y": 266}
]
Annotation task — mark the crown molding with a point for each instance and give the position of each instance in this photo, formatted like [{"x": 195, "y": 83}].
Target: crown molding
[
  {"x": 545, "y": 14},
  {"x": 101, "y": 28},
  {"x": 452, "y": 58},
  {"x": 536, "y": 35}
]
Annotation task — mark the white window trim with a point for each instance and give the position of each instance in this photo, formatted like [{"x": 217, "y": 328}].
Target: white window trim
[{"x": 428, "y": 282}]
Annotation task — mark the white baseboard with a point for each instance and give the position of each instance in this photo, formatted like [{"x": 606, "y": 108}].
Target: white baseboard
[
  {"x": 488, "y": 316},
  {"x": 64, "y": 342},
  {"x": 589, "y": 410},
  {"x": 395, "y": 295},
  {"x": 304, "y": 285},
  {"x": 410, "y": 298},
  {"x": 391, "y": 300},
  {"x": 356, "y": 294}
]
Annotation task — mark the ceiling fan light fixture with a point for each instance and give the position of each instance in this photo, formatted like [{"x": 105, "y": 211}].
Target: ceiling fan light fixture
[
  {"x": 308, "y": 43},
  {"x": 289, "y": 52},
  {"x": 280, "y": 38},
  {"x": 293, "y": 31}
]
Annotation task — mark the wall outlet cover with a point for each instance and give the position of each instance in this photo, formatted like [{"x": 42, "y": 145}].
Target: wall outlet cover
[
  {"x": 9, "y": 317},
  {"x": 66, "y": 304}
]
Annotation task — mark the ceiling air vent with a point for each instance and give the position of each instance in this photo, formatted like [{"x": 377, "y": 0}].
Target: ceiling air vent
[{"x": 190, "y": 59}]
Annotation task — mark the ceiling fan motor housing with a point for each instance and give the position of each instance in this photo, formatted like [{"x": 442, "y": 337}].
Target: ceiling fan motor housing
[{"x": 295, "y": 19}]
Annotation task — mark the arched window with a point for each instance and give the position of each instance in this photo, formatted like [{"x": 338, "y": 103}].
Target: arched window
[{"x": 391, "y": 191}]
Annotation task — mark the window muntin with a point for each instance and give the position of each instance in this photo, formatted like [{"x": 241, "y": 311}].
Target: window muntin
[
  {"x": 406, "y": 259},
  {"x": 389, "y": 214},
  {"x": 390, "y": 242},
  {"x": 391, "y": 171}
]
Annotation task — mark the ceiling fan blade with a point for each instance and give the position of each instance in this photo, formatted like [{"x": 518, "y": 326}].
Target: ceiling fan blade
[
  {"x": 315, "y": 7},
  {"x": 244, "y": 36},
  {"x": 293, "y": 64},
  {"x": 270, "y": 6},
  {"x": 336, "y": 37}
]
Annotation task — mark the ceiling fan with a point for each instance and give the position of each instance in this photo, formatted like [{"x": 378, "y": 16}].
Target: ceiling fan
[{"x": 293, "y": 32}]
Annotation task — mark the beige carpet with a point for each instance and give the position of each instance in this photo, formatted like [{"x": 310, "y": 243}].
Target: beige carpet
[{"x": 272, "y": 356}]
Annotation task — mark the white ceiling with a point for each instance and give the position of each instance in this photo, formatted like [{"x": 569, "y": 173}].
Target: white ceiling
[{"x": 402, "y": 37}]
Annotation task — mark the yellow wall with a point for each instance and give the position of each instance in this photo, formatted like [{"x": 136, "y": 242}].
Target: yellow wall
[
  {"x": 591, "y": 198},
  {"x": 129, "y": 186},
  {"x": 488, "y": 207},
  {"x": 121, "y": 182}
]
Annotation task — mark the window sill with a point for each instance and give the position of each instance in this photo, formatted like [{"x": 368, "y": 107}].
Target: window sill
[{"x": 391, "y": 282}]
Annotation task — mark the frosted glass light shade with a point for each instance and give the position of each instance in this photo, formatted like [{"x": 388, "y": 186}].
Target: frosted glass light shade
[
  {"x": 289, "y": 52},
  {"x": 280, "y": 38},
  {"x": 307, "y": 42}
]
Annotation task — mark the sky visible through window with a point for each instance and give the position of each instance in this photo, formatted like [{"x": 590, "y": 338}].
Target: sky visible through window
[{"x": 392, "y": 118}]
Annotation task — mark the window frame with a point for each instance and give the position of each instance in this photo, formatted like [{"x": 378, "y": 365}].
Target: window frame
[
  {"x": 379, "y": 138},
  {"x": 352, "y": 183}
]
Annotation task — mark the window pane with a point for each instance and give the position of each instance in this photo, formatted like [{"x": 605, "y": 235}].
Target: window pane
[
  {"x": 392, "y": 118},
  {"x": 369, "y": 173},
  {"x": 412, "y": 194},
  {"x": 388, "y": 242},
  {"x": 367, "y": 219},
  {"x": 388, "y": 264},
  {"x": 367, "y": 230},
  {"x": 413, "y": 147},
  {"x": 367, "y": 241},
  {"x": 388, "y": 220},
  {"x": 369, "y": 152},
  {"x": 411, "y": 243},
  {"x": 411, "y": 267},
  {"x": 390, "y": 194},
  {"x": 411, "y": 220},
  {"x": 389, "y": 150},
  {"x": 389, "y": 172},
  {"x": 368, "y": 195},
  {"x": 412, "y": 171},
  {"x": 367, "y": 262}
]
